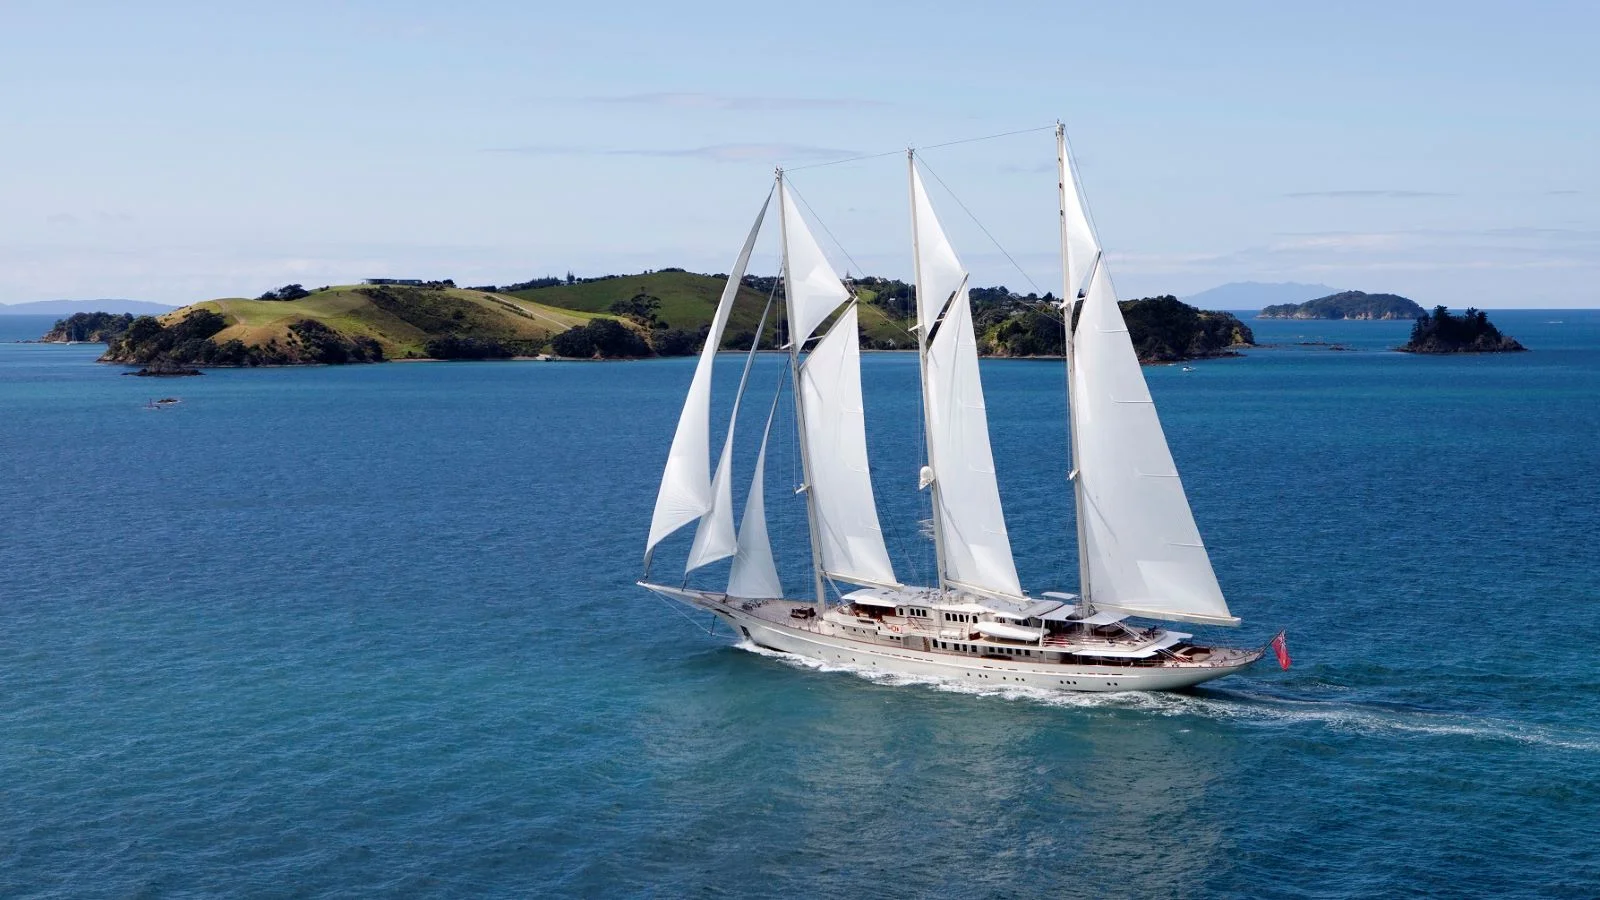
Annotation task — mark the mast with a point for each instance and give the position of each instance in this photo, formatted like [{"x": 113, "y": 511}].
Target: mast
[
  {"x": 799, "y": 408},
  {"x": 1069, "y": 304},
  {"x": 922, "y": 368}
]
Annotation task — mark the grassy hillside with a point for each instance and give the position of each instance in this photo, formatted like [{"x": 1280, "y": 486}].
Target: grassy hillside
[
  {"x": 351, "y": 323},
  {"x": 401, "y": 320},
  {"x": 688, "y": 301}
]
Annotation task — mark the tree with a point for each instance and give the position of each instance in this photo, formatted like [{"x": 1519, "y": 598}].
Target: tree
[{"x": 287, "y": 292}]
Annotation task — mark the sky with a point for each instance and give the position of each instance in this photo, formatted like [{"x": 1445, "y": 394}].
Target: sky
[{"x": 176, "y": 151}]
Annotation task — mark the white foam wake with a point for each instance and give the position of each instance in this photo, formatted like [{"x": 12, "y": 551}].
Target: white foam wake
[{"x": 1243, "y": 707}]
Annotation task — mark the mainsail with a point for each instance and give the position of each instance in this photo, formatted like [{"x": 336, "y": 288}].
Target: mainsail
[
  {"x": 974, "y": 547},
  {"x": 685, "y": 493},
  {"x": 845, "y": 515},
  {"x": 1143, "y": 549}
]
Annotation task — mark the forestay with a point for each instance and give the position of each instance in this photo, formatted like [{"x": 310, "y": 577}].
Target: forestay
[
  {"x": 976, "y": 548},
  {"x": 849, "y": 538},
  {"x": 685, "y": 493},
  {"x": 1144, "y": 552}
]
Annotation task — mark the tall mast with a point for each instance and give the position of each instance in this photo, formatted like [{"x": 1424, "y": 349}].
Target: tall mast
[
  {"x": 800, "y": 407},
  {"x": 1069, "y": 305},
  {"x": 922, "y": 367}
]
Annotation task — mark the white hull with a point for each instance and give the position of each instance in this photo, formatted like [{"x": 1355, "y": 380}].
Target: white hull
[{"x": 815, "y": 639}]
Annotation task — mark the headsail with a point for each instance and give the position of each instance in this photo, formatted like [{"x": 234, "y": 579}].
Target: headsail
[
  {"x": 1143, "y": 548},
  {"x": 754, "y": 574},
  {"x": 714, "y": 539},
  {"x": 685, "y": 493},
  {"x": 973, "y": 543},
  {"x": 846, "y": 515}
]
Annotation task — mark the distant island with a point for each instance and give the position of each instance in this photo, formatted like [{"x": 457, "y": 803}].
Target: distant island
[
  {"x": 68, "y": 307},
  {"x": 660, "y": 313},
  {"x": 1346, "y": 305},
  {"x": 1257, "y": 294},
  {"x": 1471, "y": 332}
]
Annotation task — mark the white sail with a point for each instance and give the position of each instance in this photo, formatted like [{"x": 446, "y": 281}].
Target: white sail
[
  {"x": 714, "y": 538},
  {"x": 846, "y": 515},
  {"x": 977, "y": 549},
  {"x": 973, "y": 540},
  {"x": 939, "y": 273},
  {"x": 813, "y": 290},
  {"x": 1144, "y": 552},
  {"x": 685, "y": 493},
  {"x": 754, "y": 574},
  {"x": 1079, "y": 244}
]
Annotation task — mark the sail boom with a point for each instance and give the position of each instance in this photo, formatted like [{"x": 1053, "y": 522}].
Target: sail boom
[{"x": 1165, "y": 615}]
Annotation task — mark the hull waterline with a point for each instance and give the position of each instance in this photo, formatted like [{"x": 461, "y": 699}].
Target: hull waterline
[{"x": 770, "y": 625}]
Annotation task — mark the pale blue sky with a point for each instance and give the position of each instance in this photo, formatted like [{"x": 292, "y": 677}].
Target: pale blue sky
[{"x": 176, "y": 151}]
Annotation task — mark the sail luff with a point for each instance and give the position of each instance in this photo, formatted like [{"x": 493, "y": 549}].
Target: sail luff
[
  {"x": 685, "y": 492},
  {"x": 715, "y": 538},
  {"x": 1069, "y": 319},
  {"x": 924, "y": 324}
]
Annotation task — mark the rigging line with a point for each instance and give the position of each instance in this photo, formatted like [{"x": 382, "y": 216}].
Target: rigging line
[
  {"x": 675, "y": 608},
  {"x": 984, "y": 228},
  {"x": 972, "y": 140}
]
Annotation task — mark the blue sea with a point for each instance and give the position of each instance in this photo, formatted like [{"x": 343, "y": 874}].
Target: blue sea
[{"x": 372, "y": 630}]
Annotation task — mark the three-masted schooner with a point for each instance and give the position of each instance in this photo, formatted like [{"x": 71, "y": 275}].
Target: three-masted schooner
[{"x": 1139, "y": 551}]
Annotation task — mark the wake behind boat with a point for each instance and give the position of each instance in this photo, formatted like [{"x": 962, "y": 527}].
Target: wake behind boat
[{"x": 1139, "y": 550}]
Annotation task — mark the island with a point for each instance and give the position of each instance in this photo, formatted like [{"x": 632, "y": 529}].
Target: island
[
  {"x": 1471, "y": 332},
  {"x": 1346, "y": 305},
  {"x": 664, "y": 312},
  {"x": 88, "y": 328}
]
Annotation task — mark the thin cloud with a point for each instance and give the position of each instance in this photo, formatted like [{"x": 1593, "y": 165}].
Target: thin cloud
[
  {"x": 1563, "y": 193},
  {"x": 735, "y": 103},
  {"x": 1388, "y": 195},
  {"x": 773, "y": 153}
]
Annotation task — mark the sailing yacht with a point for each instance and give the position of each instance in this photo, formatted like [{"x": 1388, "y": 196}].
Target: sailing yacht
[{"x": 1141, "y": 562}]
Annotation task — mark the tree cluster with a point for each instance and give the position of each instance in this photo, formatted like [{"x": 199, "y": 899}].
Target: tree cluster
[
  {"x": 456, "y": 347},
  {"x": 601, "y": 339},
  {"x": 1444, "y": 332},
  {"x": 96, "y": 327},
  {"x": 287, "y": 292}
]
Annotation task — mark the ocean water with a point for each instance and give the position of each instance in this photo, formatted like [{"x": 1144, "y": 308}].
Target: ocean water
[{"x": 373, "y": 630}]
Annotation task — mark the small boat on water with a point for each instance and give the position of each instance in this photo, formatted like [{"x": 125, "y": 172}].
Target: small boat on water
[{"x": 1141, "y": 561}]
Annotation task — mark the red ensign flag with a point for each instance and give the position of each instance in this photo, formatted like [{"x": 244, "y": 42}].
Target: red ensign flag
[{"x": 1281, "y": 647}]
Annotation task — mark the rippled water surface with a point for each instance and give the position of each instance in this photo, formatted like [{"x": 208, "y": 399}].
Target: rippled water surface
[{"x": 373, "y": 630}]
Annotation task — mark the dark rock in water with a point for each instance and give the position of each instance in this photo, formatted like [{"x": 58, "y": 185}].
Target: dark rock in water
[
  {"x": 165, "y": 370},
  {"x": 1471, "y": 332}
]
